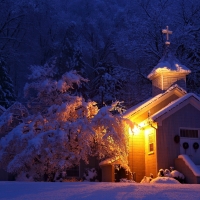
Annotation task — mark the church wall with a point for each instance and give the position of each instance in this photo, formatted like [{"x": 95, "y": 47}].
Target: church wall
[
  {"x": 136, "y": 155},
  {"x": 167, "y": 149}
]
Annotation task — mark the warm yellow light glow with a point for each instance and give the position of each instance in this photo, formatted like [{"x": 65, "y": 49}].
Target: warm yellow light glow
[
  {"x": 147, "y": 131},
  {"x": 130, "y": 131},
  {"x": 134, "y": 131}
]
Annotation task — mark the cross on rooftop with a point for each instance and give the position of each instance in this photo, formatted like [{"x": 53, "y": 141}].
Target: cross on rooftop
[{"x": 167, "y": 32}]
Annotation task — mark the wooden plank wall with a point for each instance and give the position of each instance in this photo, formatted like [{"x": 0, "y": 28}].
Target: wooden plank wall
[
  {"x": 167, "y": 149},
  {"x": 136, "y": 155}
]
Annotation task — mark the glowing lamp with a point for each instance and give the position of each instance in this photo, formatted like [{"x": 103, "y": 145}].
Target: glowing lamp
[{"x": 134, "y": 131}]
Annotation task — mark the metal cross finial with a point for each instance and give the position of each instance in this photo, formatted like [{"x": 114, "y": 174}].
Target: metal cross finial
[{"x": 167, "y": 32}]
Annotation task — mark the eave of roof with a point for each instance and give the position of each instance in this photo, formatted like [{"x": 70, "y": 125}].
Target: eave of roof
[{"x": 133, "y": 110}]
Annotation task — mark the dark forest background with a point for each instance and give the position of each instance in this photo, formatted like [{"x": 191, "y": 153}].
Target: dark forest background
[{"x": 113, "y": 43}]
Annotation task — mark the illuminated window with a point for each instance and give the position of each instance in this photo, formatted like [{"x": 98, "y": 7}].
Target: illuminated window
[
  {"x": 151, "y": 143},
  {"x": 189, "y": 133}
]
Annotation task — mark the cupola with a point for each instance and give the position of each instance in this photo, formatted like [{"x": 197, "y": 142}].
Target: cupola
[{"x": 168, "y": 71}]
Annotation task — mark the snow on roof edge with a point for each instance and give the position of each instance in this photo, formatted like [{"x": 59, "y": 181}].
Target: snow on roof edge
[
  {"x": 190, "y": 164},
  {"x": 147, "y": 102},
  {"x": 165, "y": 69},
  {"x": 169, "y": 63},
  {"x": 172, "y": 105}
]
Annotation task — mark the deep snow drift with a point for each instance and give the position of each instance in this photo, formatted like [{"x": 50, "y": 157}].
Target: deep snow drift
[{"x": 95, "y": 191}]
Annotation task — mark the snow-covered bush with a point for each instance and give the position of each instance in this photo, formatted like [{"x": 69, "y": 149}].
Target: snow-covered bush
[
  {"x": 165, "y": 180},
  {"x": 90, "y": 175},
  {"x": 172, "y": 174},
  {"x": 178, "y": 176},
  {"x": 68, "y": 129}
]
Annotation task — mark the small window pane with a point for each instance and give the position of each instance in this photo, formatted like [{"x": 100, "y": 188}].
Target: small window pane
[
  {"x": 151, "y": 147},
  {"x": 151, "y": 142},
  {"x": 189, "y": 133}
]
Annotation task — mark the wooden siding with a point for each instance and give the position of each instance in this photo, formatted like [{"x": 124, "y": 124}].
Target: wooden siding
[
  {"x": 157, "y": 85},
  {"x": 162, "y": 82},
  {"x": 169, "y": 80},
  {"x": 136, "y": 155},
  {"x": 108, "y": 173},
  {"x": 167, "y": 149}
]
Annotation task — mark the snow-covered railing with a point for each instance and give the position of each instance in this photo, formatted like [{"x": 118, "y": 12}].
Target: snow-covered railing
[{"x": 190, "y": 164}]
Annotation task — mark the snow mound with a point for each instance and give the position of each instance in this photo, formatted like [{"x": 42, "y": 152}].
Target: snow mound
[
  {"x": 177, "y": 174},
  {"x": 125, "y": 180},
  {"x": 166, "y": 180}
]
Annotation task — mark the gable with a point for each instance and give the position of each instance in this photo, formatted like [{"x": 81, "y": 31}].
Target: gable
[
  {"x": 179, "y": 104},
  {"x": 143, "y": 110}
]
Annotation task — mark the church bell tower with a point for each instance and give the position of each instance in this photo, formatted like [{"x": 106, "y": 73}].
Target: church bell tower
[{"x": 168, "y": 71}]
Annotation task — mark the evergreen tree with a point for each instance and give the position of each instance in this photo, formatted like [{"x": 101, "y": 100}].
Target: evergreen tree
[
  {"x": 71, "y": 58},
  {"x": 108, "y": 84},
  {"x": 7, "y": 94}
]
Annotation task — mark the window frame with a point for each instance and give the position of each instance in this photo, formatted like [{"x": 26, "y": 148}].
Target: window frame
[{"x": 151, "y": 142}]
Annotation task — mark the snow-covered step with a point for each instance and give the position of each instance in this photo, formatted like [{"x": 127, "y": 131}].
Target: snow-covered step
[{"x": 187, "y": 167}]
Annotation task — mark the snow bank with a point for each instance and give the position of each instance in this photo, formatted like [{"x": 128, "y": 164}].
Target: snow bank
[
  {"x": 92, "y": 190},
  {"x": 166, "y": 180}
]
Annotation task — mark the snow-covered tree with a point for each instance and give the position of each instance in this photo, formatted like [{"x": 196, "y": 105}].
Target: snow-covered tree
[
  {"x": 108, "y": 83},
  {"x": 69, "y": 130},
  {"x": 71, "y": 58},
  {"x": 45, "y": 90},
  {"x": 7, "y": 94},
  {"x": 111, "y": 135},
  {"x": 12, "y": 117}
]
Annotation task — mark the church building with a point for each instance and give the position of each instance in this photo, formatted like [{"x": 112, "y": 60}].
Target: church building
[{"x": 167, "y": 131}]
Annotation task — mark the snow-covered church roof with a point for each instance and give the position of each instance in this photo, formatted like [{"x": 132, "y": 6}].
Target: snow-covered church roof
[
  {"x": 169, "y": 63},
  {"x": 133, "y": 110},
  {"x": 173, "y": 104}
]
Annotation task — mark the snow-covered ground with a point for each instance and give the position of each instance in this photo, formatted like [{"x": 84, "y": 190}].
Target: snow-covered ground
[{"x": 95, "y": 191}]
